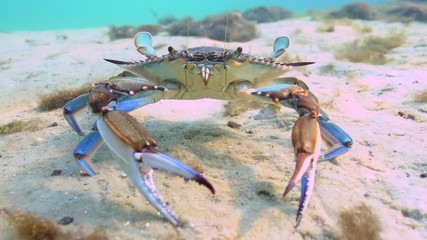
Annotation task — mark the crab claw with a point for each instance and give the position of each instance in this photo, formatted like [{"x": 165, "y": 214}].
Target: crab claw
[
  {"x": 137, "y": 149},
  {"x": 306, "y": 142}
]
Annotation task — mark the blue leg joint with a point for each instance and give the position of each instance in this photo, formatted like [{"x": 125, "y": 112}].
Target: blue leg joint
[
  {"x": 71, "y": 108},
  {"x": 85, "y": 150},
  {"x": 341, "y": 142}
]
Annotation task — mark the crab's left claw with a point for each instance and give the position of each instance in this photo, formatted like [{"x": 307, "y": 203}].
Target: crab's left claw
[
  {"x": 306, "y": 141},
  {"x": 137, "y": 149}
]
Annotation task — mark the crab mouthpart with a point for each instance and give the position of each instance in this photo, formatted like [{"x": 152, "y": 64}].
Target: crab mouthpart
[{"x": 205, "y": 74}]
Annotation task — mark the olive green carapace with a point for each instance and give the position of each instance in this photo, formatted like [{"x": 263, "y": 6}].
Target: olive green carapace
[{"x": 128, "y": 129}]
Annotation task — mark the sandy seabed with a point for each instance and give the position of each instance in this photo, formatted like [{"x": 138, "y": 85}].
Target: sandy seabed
[{"x": 249, "y": 167}]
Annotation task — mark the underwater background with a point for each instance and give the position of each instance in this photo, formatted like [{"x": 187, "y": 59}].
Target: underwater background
[
  {"x": 369, "y": 77},
  {"x": 76, "y": 14}
]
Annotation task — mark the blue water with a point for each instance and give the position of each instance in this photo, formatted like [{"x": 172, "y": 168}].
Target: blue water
[{"x": 30, "y": 15}]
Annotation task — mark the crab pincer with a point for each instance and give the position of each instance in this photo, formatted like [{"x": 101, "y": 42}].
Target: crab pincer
[
  {"x": 306, "y": 142},
  {"x": 306, "y": 138},
  {"x": 137, "y": 150}
]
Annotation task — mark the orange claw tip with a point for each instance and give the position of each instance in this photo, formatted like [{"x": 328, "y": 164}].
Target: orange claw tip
[
  {"x": 276, "y": 100},
  {"x": 290, "y": 186}
]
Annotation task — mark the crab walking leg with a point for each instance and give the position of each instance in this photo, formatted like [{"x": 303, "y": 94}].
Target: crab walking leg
[
  {"x": 306, "y": 142},
  {"x": 132, "y": 104},
  {"x": 136, "y": 149},
  {"x": 71, "y": 108},
  {"x": 341, "y": 142},
  {"x": 84, "y": 151}
]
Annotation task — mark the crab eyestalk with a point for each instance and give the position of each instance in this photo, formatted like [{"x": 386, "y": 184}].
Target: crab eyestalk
[{"x": 279, "y": 47}]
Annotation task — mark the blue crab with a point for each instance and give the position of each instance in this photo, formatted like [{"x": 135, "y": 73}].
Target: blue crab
[{"x": 195, "y": 73}]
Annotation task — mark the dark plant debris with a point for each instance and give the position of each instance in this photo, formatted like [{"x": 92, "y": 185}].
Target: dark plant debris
[
  {"x": 397, "y": 11},
  {"x": 214, "y": 27},
  {"x": 406, "y": 115},
  {"x": 33, "y": 124},
  {"x": 263, "y": 14},
  {"x": 235, "y": 125},
  {"x": 56, "y": 172},
  {"x": 372, "y": 49},
  {"x": 359, "y": 222},
  {"x": 358, "y": 10},
  {"x": 57, "y": 99},
  {"x": 421, "y": 96},
  {"x": 65, "y": 220},
  {"x": 406, "y": 12},
  {"x": 28, "y": 226}
]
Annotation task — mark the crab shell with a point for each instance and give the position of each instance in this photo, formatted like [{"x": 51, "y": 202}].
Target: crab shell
[{"x": 207, "y": 72}]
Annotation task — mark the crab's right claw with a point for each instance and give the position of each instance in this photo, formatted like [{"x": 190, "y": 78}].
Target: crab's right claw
[
  {"x": 144, "y": 44},
  {"x": 137, "y": 149},
  {"x": 306, "y": 141},
  {"x": 71, "y": 108}
]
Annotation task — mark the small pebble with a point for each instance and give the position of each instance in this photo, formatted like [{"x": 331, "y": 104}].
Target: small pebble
[
  {"x": 406, "y": 115},
  {"x": 56, "y": 172},
  {"x": 54, "y": 124},
  {"x": 423, "y": 175},
  {"x": 232, "y": 124},
  {"x": 66, "y": 220}
]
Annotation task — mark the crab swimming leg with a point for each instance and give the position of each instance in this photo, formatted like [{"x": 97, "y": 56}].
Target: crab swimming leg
[{"x": 139, "y": 156}]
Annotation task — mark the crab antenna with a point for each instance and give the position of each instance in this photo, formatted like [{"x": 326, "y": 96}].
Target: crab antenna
[
  {"x": 225, "y": 37},
  {"x": 188, "y": 32}
]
